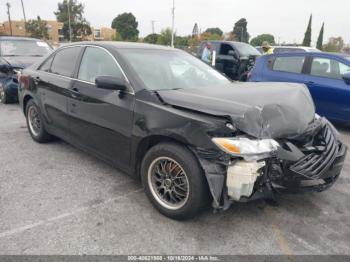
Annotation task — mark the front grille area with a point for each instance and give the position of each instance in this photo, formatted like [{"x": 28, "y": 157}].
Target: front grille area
[{"x": 315, "y": 164}]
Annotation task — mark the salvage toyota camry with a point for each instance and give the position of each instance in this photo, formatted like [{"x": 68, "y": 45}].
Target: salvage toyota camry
[{"x": 193, "y": 136}]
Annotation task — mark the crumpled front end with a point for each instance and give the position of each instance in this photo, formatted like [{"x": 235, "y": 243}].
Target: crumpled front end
[{"x": 308, "y": 162}]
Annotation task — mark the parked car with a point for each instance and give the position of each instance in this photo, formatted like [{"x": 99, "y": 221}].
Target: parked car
[
  {"x": 290, "y": 49},
  {"x": 234, "y": 59},
  {"x": 17, "y": 53},
  {"x": 327, "y": 75},
  {"x": 190, "y": 133}
]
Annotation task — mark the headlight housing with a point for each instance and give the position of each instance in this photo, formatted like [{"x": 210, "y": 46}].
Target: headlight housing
[{"x": 245, "y": 147}]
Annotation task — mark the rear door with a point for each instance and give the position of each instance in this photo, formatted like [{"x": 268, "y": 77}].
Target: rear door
[
  {"x": 101, "y": 120},
  {"x": 329, "y": 91},
  {"x": 285, "y": 68},
  {"x": 53, "y": 80}
]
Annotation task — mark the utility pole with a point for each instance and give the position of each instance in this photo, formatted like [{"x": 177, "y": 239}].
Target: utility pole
[
  {"x": 69, "y": 23},
  {"x": 153, "y": 22},
  {"x": 173, "y": 24},
  {"x": 25, "y": 20},
  {"x": 9, "y": 16}
]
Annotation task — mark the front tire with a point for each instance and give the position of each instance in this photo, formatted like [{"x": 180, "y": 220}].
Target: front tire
[
  {"x": 35, "y": 123},
  {"x": 174, "y": 181}
]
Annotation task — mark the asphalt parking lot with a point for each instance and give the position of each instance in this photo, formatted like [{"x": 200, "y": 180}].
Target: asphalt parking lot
[{"x": 55, "y": 199}]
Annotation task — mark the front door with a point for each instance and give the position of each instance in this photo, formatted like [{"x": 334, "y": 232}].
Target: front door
[{"x": 101, "y": 120}]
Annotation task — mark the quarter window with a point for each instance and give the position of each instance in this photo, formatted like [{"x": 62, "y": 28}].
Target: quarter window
[
  {"x": 291, "y": 64},
  {"x": 97, "y": 62},
  {"x": 65, "y": 61},
  {"x": 329, "y": 68},
  {"x": 46, "y": 66}
]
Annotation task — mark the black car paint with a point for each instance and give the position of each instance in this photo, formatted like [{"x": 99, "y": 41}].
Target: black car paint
[{"x": 120, "y": 126}]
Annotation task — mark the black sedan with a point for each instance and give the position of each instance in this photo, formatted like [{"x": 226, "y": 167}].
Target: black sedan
[
  {"x": 17, "y": 53},
  {"x": 191, "y": 134}
]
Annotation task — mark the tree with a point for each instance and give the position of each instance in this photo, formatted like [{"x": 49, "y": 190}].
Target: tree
[
  {"x": 37, "y": 28},
  {"x": 165, "y": 37},
  {"x": 195, "y": 31},
  {"x": 214, "y": 30},
  {"x": 346, "y": 49},
  {"x": 230, "y": 36},
  {"x": 258, "y": 40},
  {"x": 240, "y": 30},
  {"x": 209, "y": 36},
  {"x": 320, "y": 38},
  {"x": 126, "y": 25},
  {"x": 80, "y": 27},
  {"x": 151, "y": 38},
  {"x": 335, "y": 44},
  {"x": 117, "y": 37},
  {"x": 307, "y": 37},
  {"x": 182, "y": 41}
]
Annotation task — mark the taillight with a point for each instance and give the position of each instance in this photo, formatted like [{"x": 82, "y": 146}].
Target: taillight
[{"x": 23, "y": 81}]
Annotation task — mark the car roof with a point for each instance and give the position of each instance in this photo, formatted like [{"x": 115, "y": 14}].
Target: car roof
[
  {"x": 224, "y": 42},
  {"x": 19, "y": 38},
  {"x": 341, "y": 55},
  {"x": 121, "y": 45}
]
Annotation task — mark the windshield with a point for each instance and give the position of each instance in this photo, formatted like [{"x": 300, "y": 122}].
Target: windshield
[
  {"x": 246, "y": 50},
  {"x": 24, "y": 48},
  {"x": 162, "y": 69}
]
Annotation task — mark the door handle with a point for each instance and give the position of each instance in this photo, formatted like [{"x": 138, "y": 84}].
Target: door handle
[
  {"x": 75, "y": 92},
  {"x": 310, "y": 82}
]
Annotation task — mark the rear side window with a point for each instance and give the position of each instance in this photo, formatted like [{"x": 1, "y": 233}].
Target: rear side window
[
  {"x": 290, "y": 64},
  {"x": 65, "y": 61},
  {"x": 97, "y": 62},
  {"x": 329, "y": 68}
]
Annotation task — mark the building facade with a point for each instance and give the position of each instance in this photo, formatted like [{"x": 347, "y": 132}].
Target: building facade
[
  {"x": 17, "y": 28},
  {"x": 101, "y": 34}
]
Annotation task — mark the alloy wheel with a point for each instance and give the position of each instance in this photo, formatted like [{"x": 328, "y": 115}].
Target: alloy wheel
[
  {"x": 34, "y": 120},
  {"x": 168, "y": 183}
]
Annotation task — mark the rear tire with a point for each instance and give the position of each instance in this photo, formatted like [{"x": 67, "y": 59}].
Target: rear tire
[
  {"x": 174, "y": 181},
  {"x": 35, "y": 123}
]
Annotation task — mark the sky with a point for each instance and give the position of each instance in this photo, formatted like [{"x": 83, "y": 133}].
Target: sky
[{"x": 285, "y": 19}]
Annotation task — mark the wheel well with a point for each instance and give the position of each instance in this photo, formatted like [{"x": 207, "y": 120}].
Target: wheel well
[
  {"x": 148, "y": 143},
  {"x": 25, "y": 102}
]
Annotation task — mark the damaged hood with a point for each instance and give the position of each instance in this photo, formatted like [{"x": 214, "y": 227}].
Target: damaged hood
[{"x": 262, "y": 110}]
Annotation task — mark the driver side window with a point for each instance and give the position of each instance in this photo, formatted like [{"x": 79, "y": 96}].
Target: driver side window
[{"x": 97, "y": 62}]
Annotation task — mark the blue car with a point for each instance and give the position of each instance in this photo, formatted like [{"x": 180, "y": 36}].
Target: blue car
[
  {"x": 17, "y": 53},
  {"x": 327, "y": 75}
]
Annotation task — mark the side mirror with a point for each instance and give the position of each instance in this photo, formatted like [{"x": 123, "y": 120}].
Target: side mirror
[
  {"x": 346, "y": 78},
  {"x": 110, "y": 83}
]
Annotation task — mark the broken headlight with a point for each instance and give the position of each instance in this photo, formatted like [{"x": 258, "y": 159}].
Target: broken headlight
[{"x": 245, "y": 147}]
